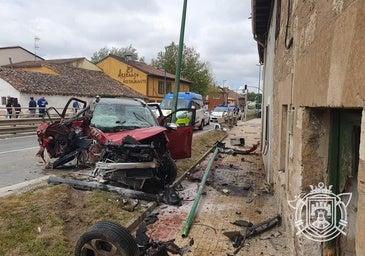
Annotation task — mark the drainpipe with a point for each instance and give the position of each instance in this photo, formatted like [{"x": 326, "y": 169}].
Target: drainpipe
[{"x": 190, "y": 218}]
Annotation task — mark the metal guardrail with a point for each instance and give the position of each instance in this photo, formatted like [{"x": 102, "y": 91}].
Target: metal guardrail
[
  {"x": 24, "y": 124},
  {"x": 19, "y": 126},
  {"x": 15, "y": 126}
]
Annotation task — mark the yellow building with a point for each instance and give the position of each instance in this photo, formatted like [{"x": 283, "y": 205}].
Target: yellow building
[{"x": 141, "y": 77}]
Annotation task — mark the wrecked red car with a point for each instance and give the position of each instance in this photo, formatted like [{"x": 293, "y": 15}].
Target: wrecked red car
[{"x": 120, "y": 137}]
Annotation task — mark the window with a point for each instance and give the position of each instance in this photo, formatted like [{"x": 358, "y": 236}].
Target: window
[{"x": 161, "y": 87}]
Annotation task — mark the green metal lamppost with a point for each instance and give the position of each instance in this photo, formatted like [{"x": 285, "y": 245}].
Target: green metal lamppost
[{"x": 179, "y": 60}]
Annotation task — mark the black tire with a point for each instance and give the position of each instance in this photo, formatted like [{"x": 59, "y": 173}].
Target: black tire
[
  {"x": 168, "y": 170},
  {"x": 201, "y": 126},
  {"x": 106, "y": 238}
]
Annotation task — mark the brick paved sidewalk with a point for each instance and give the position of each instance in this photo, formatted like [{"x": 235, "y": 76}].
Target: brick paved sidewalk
[{"x": 236, "y": 190}]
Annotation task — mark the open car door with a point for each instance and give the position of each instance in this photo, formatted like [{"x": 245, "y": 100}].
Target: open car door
[{"x": 179, "y": 132}]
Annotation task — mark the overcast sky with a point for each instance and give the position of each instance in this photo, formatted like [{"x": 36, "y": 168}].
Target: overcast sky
[{"x": 219, "y": 30}]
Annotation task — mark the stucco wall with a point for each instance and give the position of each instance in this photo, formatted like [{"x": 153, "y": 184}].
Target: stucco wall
[
  {"x": 360, "y": 234},
  {"x": 267, "y": 104},
  {"x": 23, "y": 98},
  {"x": 322, "y": 70},
  {"x": 125, "y": 74},
  {"x": 16, "y": 55},
  {"x": 328, "y": 53}
]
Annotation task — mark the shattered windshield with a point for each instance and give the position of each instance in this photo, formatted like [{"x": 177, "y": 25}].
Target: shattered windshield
[
  {"x": 167, "y": 104},
  {"x": 119, "y": 117},
  {"x": 220, "y": 109}
]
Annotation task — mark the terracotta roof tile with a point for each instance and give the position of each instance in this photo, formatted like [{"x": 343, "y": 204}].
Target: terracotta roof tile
[
  {"x": 39, "y": 63},
  {"x": 70, "y": 81}
]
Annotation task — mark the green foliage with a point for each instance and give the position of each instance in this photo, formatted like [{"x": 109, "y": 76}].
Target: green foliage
[
  {"x": 120, "y": 52},
  {"x": 254, "y": 97},
  {"x": 192, "y": 68}
]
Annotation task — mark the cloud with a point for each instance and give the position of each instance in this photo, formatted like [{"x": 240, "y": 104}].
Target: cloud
[{"x": 219, "y": 30}]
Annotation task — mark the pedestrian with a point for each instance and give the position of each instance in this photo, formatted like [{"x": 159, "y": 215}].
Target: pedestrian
[
  {"x": 9, "y": 106},
  {"x": 17, "y": 107},
  {"x": 42, "y": 102},
  {"x": 32, "y": 107},
  {"x": 75, "y": 106}
]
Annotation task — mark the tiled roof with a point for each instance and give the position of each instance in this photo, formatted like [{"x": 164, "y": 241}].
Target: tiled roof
[
  {"x": 39, "y": 63},
  {"x": 231, "y": 93},
  {"x": 148, "y": 69},
  {"x": 25, "y": 64},
  {"x": 70, "y": 81}
]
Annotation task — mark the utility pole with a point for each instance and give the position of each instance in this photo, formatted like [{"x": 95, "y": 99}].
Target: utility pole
[
  {"x": 179, "y": 60},
  {"x": 246, "y": 105},
  {"x": 164, "y": 81}
]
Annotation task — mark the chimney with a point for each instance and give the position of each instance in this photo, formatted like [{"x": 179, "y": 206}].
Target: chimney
[{"x": 127, "y": 57}]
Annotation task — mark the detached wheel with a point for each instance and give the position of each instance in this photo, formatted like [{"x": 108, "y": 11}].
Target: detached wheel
[{"x": 106, "y": 238}]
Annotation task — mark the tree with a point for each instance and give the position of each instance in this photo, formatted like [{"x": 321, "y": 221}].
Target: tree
[
  {"x": 192, "y": 68},
  {"x": 121, "y": 52},
  {"x": 256, "y": 97}
]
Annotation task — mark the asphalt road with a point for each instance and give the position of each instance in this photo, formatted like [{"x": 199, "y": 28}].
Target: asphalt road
[{"x": 18, "y": 162}]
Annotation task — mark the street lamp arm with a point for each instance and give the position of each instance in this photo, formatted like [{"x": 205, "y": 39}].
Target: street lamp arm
[{"x": 254, "y": 87}]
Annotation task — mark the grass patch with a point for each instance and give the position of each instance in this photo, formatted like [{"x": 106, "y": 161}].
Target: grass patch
[
  {"x": 49, "y": 220},
  {"x": 201, "y": 144}
]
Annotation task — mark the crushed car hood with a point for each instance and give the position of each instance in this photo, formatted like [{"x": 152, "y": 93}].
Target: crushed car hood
[{"x": 138, "y": 134}]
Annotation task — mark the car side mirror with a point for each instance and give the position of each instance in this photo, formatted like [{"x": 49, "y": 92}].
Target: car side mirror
[{"x": 171, "y": 126}]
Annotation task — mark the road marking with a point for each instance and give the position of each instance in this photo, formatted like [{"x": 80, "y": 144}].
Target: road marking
[{"x": 17, "y": 150}]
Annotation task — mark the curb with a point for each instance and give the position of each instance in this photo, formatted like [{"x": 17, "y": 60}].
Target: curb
[
  {"x": 43, "y": 181},
  {"x": 24, "y": 186},
  {"x": 134, "y": 223}
]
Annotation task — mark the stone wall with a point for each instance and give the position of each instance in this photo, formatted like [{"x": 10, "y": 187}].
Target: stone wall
[{"x": 321, "y": 71}]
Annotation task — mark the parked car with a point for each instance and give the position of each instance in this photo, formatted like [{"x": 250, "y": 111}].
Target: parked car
[
  {"x": 206, "y": 116},
  {"x": 219, "y": 112},
  {"x": 121, "y": 138}
]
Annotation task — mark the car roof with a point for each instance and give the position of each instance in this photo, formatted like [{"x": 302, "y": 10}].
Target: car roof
[{"x": 184, "y": 95}]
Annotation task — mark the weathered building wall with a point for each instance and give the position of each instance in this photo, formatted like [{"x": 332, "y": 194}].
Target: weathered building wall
[
  {"x": 267, "y": 103},
  {"x": 360, "y": 234},
  {"x": 327, "y": 53},
  {"x": 16, "y": 54},
  {"x": 317, "y": 73}
]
